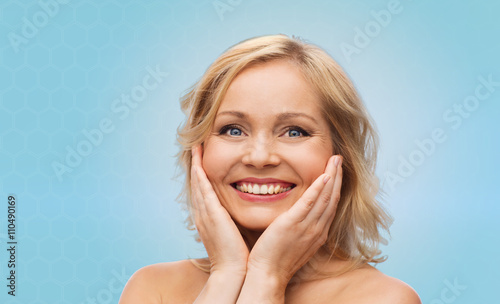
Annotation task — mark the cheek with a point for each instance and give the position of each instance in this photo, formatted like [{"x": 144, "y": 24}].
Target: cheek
[
  {"x": 311, "y": 170},
  {"x": 310, "y": 162},
  {"x": 215, "y": 161}
]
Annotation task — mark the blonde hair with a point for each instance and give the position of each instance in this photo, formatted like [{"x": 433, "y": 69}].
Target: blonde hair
[{"x": 355, "y": 233}]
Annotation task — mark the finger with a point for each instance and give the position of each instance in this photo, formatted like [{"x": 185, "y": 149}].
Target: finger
[
  {"x": 203, "y": 182},
  {"x": 206, "y": 189},
  {"x": 306, "y": 202},
  {"x": 196, "y": 194},
  {"x": 329, "y": 213},
  {"x": 324, "y": 199},
  {"x": 196, "y": 155},
  {"x": 208, "y": 199}
]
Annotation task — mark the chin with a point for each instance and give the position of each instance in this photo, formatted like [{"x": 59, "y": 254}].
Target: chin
[{"x": 257, "y": 219}]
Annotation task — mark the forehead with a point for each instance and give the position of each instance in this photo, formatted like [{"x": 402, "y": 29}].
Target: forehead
[{"x": 276, "y": 86}]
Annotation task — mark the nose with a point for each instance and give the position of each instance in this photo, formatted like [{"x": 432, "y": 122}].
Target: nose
[{"x": 260, "y": 153}]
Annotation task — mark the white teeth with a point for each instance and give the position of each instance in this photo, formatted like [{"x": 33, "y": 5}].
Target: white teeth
[
  {"x": 256, "y": 189},
  {"x": 262, "y": 189},
  {"x": 270, "y": 190},
  {"x": 277, "y": 189}
]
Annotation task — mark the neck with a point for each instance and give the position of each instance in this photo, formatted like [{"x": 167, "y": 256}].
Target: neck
[{"x": 250, "y": 236}]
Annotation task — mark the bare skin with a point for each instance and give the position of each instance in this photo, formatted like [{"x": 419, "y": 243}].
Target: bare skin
[
  {"x": 269, "y": 127},
  {"x": 181, "y": 282}
]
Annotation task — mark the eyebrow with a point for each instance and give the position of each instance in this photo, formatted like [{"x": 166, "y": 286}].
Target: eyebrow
[{"x": 281, "y": 116}]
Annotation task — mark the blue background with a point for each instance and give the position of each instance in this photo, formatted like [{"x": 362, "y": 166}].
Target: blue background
[{"x": 81, "y": 237}]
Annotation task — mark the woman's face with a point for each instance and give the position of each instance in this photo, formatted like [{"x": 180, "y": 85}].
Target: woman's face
[{"x": 268, "y": 144}]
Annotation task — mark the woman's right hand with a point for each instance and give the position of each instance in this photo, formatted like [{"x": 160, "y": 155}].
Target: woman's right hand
[{"x": 225, "y": 246}]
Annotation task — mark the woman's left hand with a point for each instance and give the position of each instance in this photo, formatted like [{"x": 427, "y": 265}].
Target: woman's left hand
[{"x": 296, "y": 235}]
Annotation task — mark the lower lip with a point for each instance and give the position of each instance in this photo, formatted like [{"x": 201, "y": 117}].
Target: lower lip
[{"x": 266, "y": 198}]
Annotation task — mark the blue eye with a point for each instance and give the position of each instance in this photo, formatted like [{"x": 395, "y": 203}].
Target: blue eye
[
  {"x": 294, "y": 133},
  {"x": 231, "y": 130},
  {"x": 234, "y": 132}
]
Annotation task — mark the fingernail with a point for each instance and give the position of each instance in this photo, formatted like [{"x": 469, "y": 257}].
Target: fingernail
[
  {"x": 337, "y": 161},
  {"x": 326, "y": 179}
]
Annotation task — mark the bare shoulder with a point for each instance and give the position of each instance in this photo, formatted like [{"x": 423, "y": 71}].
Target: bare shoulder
[
  {"x": 365, "y": 285},
  {"x": 172, "y": 282},
  {"x": 377, "y": 287}
]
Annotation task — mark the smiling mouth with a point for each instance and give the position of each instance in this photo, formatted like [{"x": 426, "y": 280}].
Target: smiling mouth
[{"x": 263, "y": 189}]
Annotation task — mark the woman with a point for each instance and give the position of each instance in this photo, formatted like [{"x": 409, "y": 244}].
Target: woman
[{"x": 280, "y": 156}]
